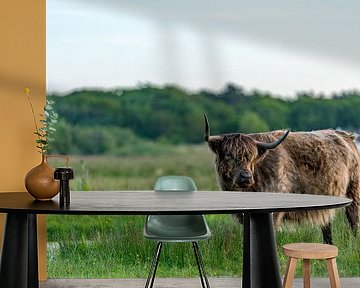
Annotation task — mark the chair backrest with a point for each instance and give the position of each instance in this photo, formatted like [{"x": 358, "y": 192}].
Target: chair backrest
[
  {"x": 176, "y": 228},
  {"x": 174, "y": 183}
]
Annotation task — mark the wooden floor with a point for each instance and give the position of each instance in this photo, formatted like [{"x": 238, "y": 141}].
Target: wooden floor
[{"x": 179, "y": 282}]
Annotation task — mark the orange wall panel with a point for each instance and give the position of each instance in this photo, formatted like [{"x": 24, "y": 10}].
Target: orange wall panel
[{"x": 22, "y": 64}]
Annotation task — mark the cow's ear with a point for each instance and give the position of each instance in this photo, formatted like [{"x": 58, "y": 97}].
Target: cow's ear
[
  {"x": 215, "y": 146},
  {"x": 262, "y": 152}
]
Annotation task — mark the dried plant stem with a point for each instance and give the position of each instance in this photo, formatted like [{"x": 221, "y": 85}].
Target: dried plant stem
[{"x": 36, "y": 126}]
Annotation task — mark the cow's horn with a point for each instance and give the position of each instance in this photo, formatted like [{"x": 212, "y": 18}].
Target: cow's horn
[
  {"x": 273, "y": 144},
  {"x": 209, "y": 138}
]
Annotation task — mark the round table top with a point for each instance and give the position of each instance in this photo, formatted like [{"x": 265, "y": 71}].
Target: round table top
[{"x": 169, "y": 202}]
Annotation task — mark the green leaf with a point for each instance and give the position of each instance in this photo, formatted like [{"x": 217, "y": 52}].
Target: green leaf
[{"x": 52, "y": 114}]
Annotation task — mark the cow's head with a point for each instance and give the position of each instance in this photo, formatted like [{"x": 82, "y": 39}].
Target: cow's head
[{"x": 236, "y": 156}]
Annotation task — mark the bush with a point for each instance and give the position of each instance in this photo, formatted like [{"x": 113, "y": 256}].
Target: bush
[{"x": 94, "y": 140}]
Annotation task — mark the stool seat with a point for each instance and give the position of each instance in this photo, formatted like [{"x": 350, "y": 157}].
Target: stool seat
[{"x": 310, "y": 250}]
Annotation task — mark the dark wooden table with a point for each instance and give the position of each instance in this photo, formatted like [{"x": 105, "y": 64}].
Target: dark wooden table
[{"x": 260, "y": 262}]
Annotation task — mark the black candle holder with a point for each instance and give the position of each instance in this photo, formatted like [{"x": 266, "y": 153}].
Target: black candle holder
[{"x": 64, "y": 175}]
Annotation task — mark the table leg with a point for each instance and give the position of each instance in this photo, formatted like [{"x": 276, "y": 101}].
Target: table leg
[
  {"x": 260, "y": 261},
  {"x": 33, "y": 270},
  {"x": 18, "y": 268}
]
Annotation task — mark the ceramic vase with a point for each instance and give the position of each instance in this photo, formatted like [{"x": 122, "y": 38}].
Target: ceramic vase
[{"x": 40, "y": 182}]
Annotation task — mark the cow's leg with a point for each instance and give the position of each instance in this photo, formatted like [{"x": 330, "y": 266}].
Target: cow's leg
[
  {"x": 239, "y": 218},
  {"x": 326, "y": 231},
  {"x": 353, "y": 216},
  {"x": 278, "y": 219},
  {"x": 353, "y": 210}
]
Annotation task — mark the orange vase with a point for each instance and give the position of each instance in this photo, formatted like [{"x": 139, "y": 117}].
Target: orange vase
[{"x": 39, "y": 181}]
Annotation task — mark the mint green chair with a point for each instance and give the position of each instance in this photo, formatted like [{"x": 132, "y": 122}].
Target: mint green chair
[{"x": 176, "y": 228}]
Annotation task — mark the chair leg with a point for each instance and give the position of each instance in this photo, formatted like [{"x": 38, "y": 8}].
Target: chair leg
[
  {"x": 200, "y": 265},
  {"x": 306, "y": 273},
  {"x": 290, "y": 272},
  {"x": 333, "y": 273},
  {"x": 154, "y": 264}
]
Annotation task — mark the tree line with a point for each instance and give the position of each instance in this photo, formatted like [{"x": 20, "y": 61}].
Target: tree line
[{"x": 130, "y": 120}]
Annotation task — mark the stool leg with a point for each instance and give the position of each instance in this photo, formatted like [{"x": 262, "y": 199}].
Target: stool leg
[
  {"x": 333, "y": 273},
  {"x": 290, "y": 272},
  {"x": 306, "y": 273}
]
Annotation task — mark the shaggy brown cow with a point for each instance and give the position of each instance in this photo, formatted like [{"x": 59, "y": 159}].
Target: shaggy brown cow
[{"x": 324, "y": 162}]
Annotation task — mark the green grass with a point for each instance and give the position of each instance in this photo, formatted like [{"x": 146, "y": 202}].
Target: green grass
[{"x": 113, "y": 246}]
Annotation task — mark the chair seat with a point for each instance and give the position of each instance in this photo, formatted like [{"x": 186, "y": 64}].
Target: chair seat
[
  {"x": 177, "y": 228},
  {"x": 310, "y": 250}
]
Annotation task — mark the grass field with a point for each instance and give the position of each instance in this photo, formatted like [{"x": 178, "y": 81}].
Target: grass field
[{"x": 113, "y": 246}]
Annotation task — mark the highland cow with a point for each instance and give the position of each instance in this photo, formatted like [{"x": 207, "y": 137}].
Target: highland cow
[{"x": 324, "y": 162}]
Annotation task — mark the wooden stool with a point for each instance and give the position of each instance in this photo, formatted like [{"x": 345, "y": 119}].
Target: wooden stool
[{"x": 308, "y": 251}]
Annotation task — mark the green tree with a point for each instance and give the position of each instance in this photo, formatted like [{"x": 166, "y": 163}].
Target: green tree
[{"x": 251, "y": 122}]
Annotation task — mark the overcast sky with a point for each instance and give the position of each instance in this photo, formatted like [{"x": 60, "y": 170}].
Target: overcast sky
[{"x": 278, "y": 46}]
